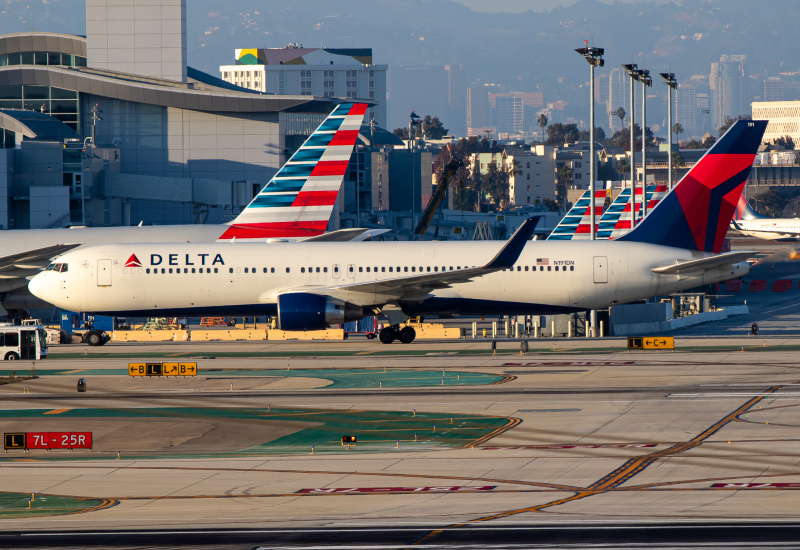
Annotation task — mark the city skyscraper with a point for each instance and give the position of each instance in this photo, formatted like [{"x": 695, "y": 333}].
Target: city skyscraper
[
  {"x": 618, "y": 96},
  {"x": 686, "y": 110},
  {"x": 423, "y": 89},
  {"x": 728, "y": 82},
  {"x": 477, "y": 107},
  {"x": 457, "y": 99}
]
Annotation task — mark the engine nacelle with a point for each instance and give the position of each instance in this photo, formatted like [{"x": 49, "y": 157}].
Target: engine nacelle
[{"x": 304, "y": 311}]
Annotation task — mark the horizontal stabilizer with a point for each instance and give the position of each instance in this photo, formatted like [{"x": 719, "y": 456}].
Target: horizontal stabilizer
[{"x": 704, "y": 264}]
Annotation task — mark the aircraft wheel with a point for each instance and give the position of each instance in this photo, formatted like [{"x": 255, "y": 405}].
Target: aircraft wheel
[
  {"x": 387, "y": 335},
  {"x": 407, "y": 335}
]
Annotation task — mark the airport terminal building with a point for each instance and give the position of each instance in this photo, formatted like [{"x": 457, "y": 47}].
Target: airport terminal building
[{"x": 113, "y": 131}]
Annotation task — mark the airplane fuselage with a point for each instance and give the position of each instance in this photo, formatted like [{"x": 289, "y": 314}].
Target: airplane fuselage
[
  {"x": 247, "y": 278},
  {"x": 773, "y": 229}
]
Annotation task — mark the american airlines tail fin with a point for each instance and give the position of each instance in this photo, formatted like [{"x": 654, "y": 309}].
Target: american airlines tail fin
[
  {"x": 577, "y": 224},
  {"x": 298, "y": 200},
  {"x": 617, "y": 219},
  {"x": 696, "y": 214},
  {"x": 745, "y": 212}
]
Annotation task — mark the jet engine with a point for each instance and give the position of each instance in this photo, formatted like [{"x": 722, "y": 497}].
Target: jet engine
[{"x": 304, "y": 311}]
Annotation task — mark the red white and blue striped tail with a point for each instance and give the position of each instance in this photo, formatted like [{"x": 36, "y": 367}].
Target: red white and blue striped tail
[
  {"x": 577, "y": 224},
  {"x": 298, "y": 200},
  {"x": 617, "y": 219}
]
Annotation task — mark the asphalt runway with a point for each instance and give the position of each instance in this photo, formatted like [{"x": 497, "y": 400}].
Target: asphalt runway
[{"x": 578, "y": 442}]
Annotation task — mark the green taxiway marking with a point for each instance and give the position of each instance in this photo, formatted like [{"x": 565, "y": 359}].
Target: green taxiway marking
[
  {"x": 376, "y": 431},
  {"x": 423, "y": 352},
  {"x": 16, "y": 505},
  {"x": 340, "y": 378}
]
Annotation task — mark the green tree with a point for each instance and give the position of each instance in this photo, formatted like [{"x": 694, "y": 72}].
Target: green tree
[
  {"x": 550, "y": 205},
  {"x": 559, "y": 134},
  {"x": 542, "y": 122},
  {"x": 678, "y": 130},
  {"x": 432, "y": 128},
  {"x": 599, "y": 135},
  {"x": 496, "y": 183},
  {"x": 565, "y": 174},
  {"x": 624, "y": 168},
  {"x": 621, "y": 116},
  {"x": 677, "y": 162}
]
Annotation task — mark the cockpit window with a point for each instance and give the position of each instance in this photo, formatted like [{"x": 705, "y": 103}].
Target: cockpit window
[
  {"x": 50, "y": 267},
  {"x": 64, "y": 268},
  {"x": 59, "y": 268}
]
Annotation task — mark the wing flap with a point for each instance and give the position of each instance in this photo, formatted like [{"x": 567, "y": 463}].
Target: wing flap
[{"x": 703, "y": 264}]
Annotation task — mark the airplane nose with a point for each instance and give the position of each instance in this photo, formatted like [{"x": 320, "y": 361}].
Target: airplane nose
[{"x": 36, "y": 285}]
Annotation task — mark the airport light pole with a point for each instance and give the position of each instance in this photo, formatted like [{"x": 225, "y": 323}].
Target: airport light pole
[
  {"x": 595, "y": 58},
  {"x": 669, "y": 80},
  {"x": 630, "y": 68},
  {"x": 644, "y": 78}
]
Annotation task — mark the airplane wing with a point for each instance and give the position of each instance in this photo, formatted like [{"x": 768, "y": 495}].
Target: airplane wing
[
  {"x": 398, "y": 287},
  {"x": 30, "y": 262},
  {"x": 703, "y": 264},
  {"x": 346, "y": 235}
]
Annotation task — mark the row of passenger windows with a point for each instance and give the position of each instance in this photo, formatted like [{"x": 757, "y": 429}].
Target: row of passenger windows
[{"x": 351, "y": 269}]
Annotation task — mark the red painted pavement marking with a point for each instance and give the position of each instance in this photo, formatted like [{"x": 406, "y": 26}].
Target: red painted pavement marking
[
  {"x": 625, "y": 446},
  {"x": 569, "y": 363},
  {"x": 755, "y": 485},
  {"x": 451, "y": 488}
]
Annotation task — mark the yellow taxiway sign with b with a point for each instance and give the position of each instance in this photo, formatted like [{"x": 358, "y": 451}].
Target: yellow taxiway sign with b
[
  {"x": 651, "y": 342},
  {"x": 162, "y": 369}
]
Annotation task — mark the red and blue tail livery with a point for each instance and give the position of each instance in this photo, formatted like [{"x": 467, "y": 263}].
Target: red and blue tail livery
[
  {"x": 745, "y": 212},
  {"x": 696, "y": 214},
  {"x": 298, "y": 200}
]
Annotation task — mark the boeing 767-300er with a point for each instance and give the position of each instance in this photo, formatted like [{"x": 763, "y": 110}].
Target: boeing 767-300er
[
  {"x": 318, "y": 284},
  {"x": 296, "y": 204}
]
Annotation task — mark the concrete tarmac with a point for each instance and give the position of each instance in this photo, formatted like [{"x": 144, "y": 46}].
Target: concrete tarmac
[{"x": 586, "y": 434}]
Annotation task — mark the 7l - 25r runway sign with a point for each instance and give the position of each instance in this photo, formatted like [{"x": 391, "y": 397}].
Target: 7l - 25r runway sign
[{"x": 651, "y": 342}]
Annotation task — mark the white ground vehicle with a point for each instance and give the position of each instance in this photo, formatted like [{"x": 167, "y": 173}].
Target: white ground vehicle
[{"x": 23, "y": 342}]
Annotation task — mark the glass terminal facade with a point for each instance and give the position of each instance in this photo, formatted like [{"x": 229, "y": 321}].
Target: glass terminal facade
[{"x": 56, "y": 102}]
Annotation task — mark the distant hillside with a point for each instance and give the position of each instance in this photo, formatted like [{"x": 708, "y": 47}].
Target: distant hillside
[{"x": 528, "y": 51}]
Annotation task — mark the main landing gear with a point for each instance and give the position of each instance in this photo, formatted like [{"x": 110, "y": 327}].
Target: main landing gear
[{"x": 406, "y": 335}]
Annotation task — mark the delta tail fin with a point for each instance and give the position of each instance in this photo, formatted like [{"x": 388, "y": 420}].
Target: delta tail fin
[
  {"x": 745, "y": 212},
  {"x": 577, "y": 224},
  {"x": 696, "y": 213},
  {"x": 298, "y": 200}
]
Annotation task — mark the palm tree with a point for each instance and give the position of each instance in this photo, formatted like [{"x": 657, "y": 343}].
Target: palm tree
[
  {"x": 678, "y": 129},
  {"x": 677, "y": 162},
  {"x": 621, "y": 115},
  {"x": 623, "y": 167},
  {"x": 542, "y": 122}
]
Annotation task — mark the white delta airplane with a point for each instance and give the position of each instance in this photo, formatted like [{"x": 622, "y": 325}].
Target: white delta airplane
[
  {"x": 295, "y": 205},
  {"x": 748, "y": 222},
  {"x": 313, "y": 285}
]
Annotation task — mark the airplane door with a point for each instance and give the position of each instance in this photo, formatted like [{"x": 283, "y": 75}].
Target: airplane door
[
  {"x": 336, "y": 271},
  {"x": 27, "y": 348},
  {"x": 600, "y": 269},
  {"x": 351, "y": 272},
  {"x": 103, "y": 272}
]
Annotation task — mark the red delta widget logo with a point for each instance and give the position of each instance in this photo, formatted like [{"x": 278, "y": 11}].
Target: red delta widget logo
[
  {"x": 133, "y": 261},
  {"x": 179, "y": 260}
]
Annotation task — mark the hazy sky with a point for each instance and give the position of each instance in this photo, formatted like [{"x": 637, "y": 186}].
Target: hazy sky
[{"x": 519, "y": 6}]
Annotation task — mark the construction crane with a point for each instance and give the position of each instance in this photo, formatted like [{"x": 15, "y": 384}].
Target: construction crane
[{"x": 439, "y": 194}]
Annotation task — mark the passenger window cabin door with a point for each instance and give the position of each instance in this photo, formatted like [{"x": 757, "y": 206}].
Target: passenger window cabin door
[
  {"x": 336, "y": 271},
  {"x": 600, "y": 269},
  {"x": 103, "y": 272}
]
